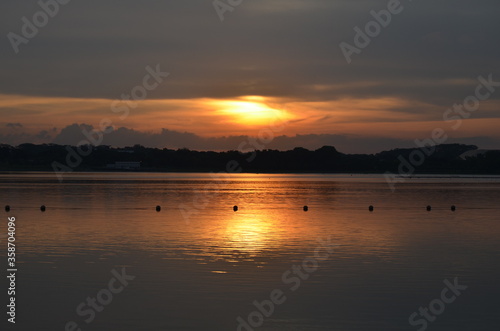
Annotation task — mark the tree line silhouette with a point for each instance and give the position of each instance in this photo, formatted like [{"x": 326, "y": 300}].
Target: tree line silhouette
[{"x": 444, "y": 160}]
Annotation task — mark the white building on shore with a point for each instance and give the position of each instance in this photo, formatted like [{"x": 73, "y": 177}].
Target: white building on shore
[{"x": 124, "y": 165}]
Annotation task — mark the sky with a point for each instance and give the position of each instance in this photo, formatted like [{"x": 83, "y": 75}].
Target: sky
[{"x": 174, "y": 74}]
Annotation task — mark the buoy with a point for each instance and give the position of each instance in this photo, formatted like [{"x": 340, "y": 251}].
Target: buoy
[
  {"x": 370, "y": 208},
  {"x": 453, "y": 208},
  {"x": 235, "y": 208},
  {"x": 42, "y": 208},
  {"x": 306, "y": 208},
  {"x": 429, "y": 208},
  {"x": 7, "y": 208},
  {"x": 158, "y": 208}
]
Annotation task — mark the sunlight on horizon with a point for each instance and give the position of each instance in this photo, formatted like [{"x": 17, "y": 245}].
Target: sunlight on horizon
[{"x": 250, "y": 110}]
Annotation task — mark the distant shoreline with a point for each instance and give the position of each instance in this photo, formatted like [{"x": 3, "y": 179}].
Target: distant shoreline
[
  {"x": 97, "y": 171},
  {"x": 449, "y": 159}
]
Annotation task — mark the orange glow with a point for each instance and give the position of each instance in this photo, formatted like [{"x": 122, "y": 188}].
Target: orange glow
[
  {"x": 255, "y": 231},
  {"x": 250, "y": 110},
  {"x": 251, "y": 234},
  {"x": 246, "y": 115}
]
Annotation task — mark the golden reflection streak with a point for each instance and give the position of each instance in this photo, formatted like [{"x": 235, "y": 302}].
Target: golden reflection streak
[
  {"x": 251, "y": 234},
  {"x": 245, "y": 236}
]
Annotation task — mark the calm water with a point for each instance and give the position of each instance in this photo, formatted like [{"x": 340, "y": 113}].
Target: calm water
[{"x": 204, "y": 272}]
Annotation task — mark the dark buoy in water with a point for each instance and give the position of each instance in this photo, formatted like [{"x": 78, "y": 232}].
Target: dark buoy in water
[
  {"x": 429, "y": 208},
  {"x": 43, "y": 208},
  {"x": 158, "y": 208},
  {"x": 453, "y": 208},
  {"x": 306, "y": 208},
  {"x": 370, "y": 208},
  {"x": 7, "y": 208},
  {"x": 235, "y": 208}
]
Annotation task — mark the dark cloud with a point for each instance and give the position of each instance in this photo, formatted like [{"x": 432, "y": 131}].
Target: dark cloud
[
  {"x": 122, "y": 137},
  {"x": 72, "y": 134},
  {"x": 43, "y": 135},
  {"x": 14, "y": 125},
  {"x": 18, "y": 138},
  {"x": 269, "y": 48}
]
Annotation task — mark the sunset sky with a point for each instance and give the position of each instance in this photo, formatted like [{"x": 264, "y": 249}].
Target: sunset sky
[{"x": 267, "y": 61}]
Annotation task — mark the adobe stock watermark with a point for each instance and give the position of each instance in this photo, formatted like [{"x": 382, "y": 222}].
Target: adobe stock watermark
[
  {"x": 93, "y": 305},
  {"x": 74, "y": 158},
  {"x": 437, "y": 306},
  {"x": 454, "y": 116},
  {"x": 294, "y": 276},
  {"x": 30, "y": 28},
  {"x": 223, "y": 6},
  {"x": 202, "y": 198},
  {"x": 372, "y": 29}
]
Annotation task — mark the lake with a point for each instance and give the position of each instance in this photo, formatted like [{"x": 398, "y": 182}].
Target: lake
[{"x": 101, "y": 257}]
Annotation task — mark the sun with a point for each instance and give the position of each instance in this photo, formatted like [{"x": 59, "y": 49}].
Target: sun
[{"x": 250, "y": 110}]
